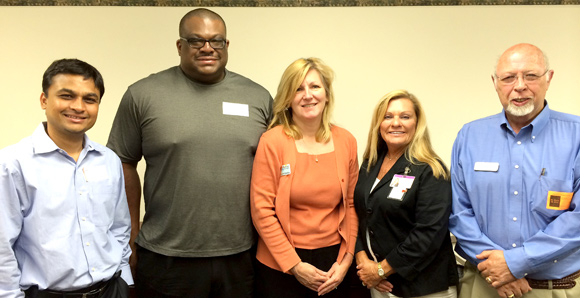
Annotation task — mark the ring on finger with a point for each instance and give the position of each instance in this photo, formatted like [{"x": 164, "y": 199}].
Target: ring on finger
[
  {"x": 488, "y": 279},
  {"x": 511, "y": 296},
  {"x": 364, "y": 284}
]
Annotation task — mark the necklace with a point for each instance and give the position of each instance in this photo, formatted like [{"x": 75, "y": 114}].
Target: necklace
[{"x": 309, "y": 147}]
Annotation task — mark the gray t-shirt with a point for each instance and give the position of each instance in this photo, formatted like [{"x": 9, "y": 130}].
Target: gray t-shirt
[{"x": 199, "y": 143}]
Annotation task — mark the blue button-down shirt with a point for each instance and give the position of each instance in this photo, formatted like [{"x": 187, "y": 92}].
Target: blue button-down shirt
[
  {"x": 507, "y": 209},
  {"x": 64, "y": 225}
]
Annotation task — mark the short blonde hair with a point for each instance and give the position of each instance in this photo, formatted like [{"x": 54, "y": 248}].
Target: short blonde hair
[
  {"x": 418, "y": 150},
  {"x": 291, "y": 79}
]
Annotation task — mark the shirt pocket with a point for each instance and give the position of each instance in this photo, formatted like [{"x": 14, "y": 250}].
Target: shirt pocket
[
  {"x": 103, "y": 202},
  {"x": 540, "y": 203}
]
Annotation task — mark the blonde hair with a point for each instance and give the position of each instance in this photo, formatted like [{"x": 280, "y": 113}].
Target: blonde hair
[
  {"x": 418, "y": 150},
  {"x": 291, "y": 79}
]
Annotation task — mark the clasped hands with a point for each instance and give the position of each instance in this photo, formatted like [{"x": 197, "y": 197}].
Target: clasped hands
[
  {"x": 368, "y": 274},
  {"x": 495, "y": 271},
  {"x": 318, "y": 280}
]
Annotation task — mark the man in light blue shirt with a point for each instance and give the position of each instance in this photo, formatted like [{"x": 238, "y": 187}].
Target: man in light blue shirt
[
  {"x": 516, "y": 180},
  {"x": 64, "y": 220}
]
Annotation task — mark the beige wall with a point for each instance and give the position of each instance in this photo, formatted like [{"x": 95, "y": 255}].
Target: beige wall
[{"x": 444, "y": 55}]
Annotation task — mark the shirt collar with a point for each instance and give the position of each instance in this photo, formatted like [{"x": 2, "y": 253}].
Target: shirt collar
[
  {"x": 537, "y": 125},
  {"x": 42, "y": 143}
]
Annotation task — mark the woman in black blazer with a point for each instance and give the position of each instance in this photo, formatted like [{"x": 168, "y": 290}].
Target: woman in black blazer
[{"x": 403, "y": 201}]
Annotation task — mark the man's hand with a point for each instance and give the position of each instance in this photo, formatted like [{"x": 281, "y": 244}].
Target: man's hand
[
  {"x": 494, "y": 269},
  {"x": 516, "y": 288},
  {"x": 309, "y": 276}
]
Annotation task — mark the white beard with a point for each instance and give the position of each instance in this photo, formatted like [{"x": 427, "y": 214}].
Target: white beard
[{"x": 520, "y": 111}]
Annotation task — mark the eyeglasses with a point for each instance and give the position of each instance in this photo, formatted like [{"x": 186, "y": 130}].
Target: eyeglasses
[
  {"x": 198, "y": 43},
  {"x": 528, "y": 78}
]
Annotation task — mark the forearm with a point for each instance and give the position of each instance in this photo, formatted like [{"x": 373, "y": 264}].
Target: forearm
[{"x": 133, "y": 191}]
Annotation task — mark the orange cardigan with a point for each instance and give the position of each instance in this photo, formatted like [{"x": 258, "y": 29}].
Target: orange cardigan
[{"x": 270, "y": 196}]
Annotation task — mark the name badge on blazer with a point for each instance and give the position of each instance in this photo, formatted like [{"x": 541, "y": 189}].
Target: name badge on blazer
[
  {"x": 482, "y": 166},
  {"x": 400, "y": 185}
]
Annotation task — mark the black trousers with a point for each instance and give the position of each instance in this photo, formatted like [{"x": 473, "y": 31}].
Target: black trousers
[
  {"x": 160, "y": 276},
  {"x": 272, "y": 283},
  {"x": 116, "y": 287}
]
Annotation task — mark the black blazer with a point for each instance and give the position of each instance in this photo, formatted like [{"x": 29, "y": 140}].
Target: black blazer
[{"x": 412, "y": 233}]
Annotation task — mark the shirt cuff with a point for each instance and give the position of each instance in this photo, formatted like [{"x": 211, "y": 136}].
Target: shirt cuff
[
  {"x": 517, "y": 263},
  {"x": 126, "y": 275}
]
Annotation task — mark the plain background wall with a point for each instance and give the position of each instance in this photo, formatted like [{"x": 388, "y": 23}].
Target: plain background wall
[{"x": 444, "y": 55}]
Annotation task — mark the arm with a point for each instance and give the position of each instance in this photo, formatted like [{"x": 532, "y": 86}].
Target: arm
[
  {"x": 133, "y": 193},
  {"x": 462, "y": 221},
  {"x": 11, "y": 221},
  {"x": 266, "y": 176},
  {"x": 121, "y": 229}
]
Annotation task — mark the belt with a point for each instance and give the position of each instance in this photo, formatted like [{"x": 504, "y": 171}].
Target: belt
[
  {"x": 94, "y": 291},
  {"x": 567, "y": 282}
]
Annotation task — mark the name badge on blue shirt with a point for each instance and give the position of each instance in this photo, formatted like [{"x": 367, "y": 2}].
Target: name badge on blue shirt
[{"x": 482, "y": 166}]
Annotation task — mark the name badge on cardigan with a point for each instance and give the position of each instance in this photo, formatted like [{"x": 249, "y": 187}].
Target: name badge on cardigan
[{"x": 285, "y": 170}]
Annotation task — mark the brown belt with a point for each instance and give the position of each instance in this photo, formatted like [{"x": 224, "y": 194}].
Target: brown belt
[{"x": 567, "y": 282}]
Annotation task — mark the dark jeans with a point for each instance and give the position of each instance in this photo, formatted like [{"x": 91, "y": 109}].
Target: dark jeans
[
  {"x": 272, "y": 283},
  {"x": 220, "y": 277}
]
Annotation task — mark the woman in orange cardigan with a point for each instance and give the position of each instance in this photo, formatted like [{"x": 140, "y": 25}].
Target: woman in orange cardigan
[{"x": 303, "y": 180}]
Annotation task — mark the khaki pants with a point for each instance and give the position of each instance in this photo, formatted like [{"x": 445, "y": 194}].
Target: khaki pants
[{"x": 472, "y": 285}]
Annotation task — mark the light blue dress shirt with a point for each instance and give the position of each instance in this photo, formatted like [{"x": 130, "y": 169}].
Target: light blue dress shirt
[
  {"x": 507, "y": 209},
  {"x": 64, "y": 225}
]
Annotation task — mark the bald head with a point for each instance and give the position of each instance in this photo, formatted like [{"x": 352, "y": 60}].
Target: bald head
[
  {"x": 522, "y": 50},
  {"x": 202, "y": 13}
]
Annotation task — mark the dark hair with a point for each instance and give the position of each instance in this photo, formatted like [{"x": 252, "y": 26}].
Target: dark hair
[
  {"x": 203, "y": 13},
  {"x": 74, "y": 67}
]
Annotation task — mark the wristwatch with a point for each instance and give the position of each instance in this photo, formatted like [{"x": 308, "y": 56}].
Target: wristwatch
[{"x": 381, "y": 271}]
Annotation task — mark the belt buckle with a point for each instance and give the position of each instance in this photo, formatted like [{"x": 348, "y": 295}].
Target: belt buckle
[{"x": 84, "y": 295}]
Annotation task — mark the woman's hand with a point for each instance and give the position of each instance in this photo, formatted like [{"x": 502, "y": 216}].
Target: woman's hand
[
  {"x": 384, "y": 286},
  {"x": 309, "y": 276},
  {"x": 335, "y": 275},
  {"x": 367, "y": 270}
]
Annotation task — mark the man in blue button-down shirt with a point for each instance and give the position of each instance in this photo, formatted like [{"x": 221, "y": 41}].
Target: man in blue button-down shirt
[
  {"x": 515, "y": 180},
  {"x": 64, "y": 220}
]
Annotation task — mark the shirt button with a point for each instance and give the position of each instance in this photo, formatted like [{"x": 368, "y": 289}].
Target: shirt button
[
  {"x": 516, "y": 192},
  {"x": 88, "y": 244},
  {"x": 526, "y": 274},
  {"x": 517, "y": 166},
  {"x": 555, "y": 261},
  {"x": 514, "y": 245},
  {"x": 533, "y": 137},
  {"x": 80, "y": 193},
  {"x": 519, "y": 142},
  {"x": 84, "y": 218},
  {"x": 515, "y": 218},
  {"x": 93, "y": 269}
]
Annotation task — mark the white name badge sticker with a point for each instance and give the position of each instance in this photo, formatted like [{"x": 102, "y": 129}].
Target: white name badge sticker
[
  {"x": 285, "y": 170},
  {"x": 482, "y": 166},
  {"x": 236, "y": 109}
]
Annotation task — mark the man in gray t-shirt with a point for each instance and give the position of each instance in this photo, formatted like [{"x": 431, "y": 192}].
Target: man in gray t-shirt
[{"x": 197, "y": 125}]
